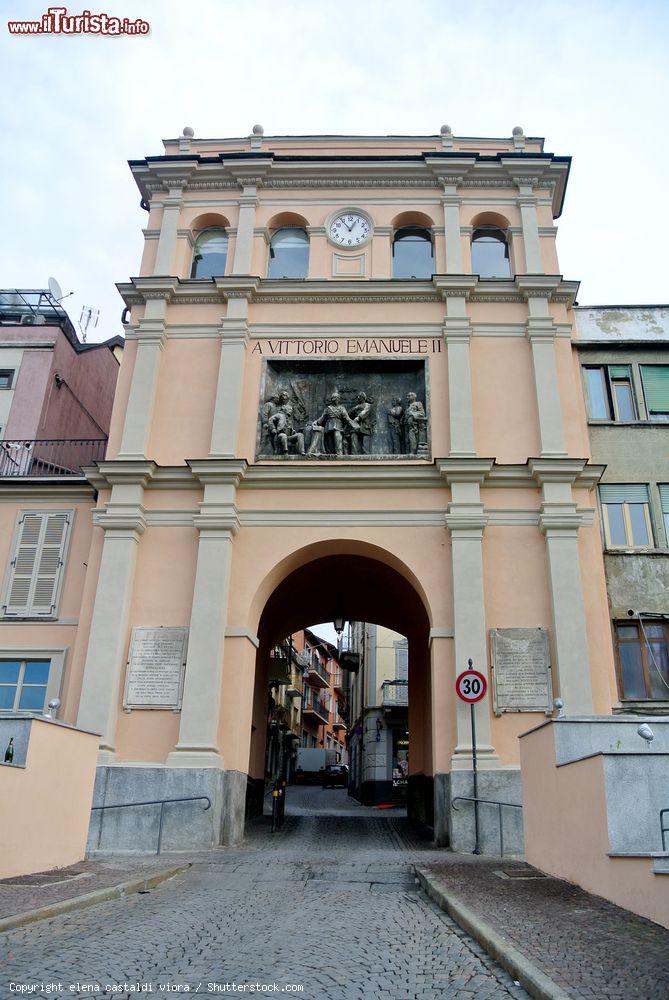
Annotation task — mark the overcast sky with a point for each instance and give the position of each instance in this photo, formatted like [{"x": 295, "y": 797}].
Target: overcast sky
[{"x": 590, "y": 77}]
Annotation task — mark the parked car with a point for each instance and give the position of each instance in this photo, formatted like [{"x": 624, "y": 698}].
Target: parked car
[{"x": 335, "y": 776}]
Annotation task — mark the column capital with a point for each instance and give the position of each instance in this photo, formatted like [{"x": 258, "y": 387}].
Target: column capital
[
  {"x": 217, "y": 521},
  {"x": 155, "y": 287},
  {"x": 466, "y": 520},
  {"x": 235, "y": 287},
  {"x": 218, "y": 471},
  {"x": 455, "y": 285},
  {"x": 120, "y": 521},
  {"x": 537, "y": 285},
  {"x": 457, "y": 330},
  {"x": 556, "y": 470},
  {"x": 464, "y": 470}
]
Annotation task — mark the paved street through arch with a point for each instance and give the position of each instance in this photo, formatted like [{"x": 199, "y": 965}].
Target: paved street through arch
[{"x": 329, "y": 904}]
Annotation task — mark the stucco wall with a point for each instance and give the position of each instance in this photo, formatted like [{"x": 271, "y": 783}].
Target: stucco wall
[{"x": 46, "y": 804}]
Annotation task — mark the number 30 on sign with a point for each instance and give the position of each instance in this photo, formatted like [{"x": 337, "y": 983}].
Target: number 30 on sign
[{"x": 471, "y": 686}]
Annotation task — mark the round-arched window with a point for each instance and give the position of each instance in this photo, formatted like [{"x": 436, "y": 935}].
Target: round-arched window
[
  {"x": 210, "y": 254},
  {"x": 288, "y": 254},
  {"x": 490, "y": 253},
  {"x": 413, "y": 255}
]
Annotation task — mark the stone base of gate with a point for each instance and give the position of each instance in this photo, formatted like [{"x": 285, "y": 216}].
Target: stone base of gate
[
  {"x": 187, "y": 826},
  {"x": 454, "y": 824}
]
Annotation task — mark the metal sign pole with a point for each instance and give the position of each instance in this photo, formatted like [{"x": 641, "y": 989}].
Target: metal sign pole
[{"x": 477, "y": 846}]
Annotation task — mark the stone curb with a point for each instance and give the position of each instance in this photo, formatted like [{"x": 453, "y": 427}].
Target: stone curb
[
  {"x": 88, "y": 899},
  {"x": 530, "y": 976}
]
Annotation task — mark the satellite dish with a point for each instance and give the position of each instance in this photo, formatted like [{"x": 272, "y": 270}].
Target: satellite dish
[{"x": 55, "y": 289}]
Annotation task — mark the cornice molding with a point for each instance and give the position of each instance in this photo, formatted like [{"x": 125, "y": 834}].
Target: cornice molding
[
  {"x": 19, "y": 489},
  {"x": 343, "y": 476}
]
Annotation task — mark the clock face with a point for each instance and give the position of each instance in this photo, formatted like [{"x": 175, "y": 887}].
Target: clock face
[{"x": 350, "y": 230}]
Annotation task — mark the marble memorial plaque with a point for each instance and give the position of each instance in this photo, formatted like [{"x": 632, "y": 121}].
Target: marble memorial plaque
[
  {"x": 521, "y": 670},
  {"x": 155, "y": 672}
]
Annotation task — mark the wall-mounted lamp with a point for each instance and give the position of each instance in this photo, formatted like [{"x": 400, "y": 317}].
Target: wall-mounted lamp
[{"x": 339, "y": 623}]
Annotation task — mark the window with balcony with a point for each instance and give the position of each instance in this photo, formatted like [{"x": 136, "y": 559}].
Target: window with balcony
[
  {"x": 288, "y": 254},
  {"x": 490, "y": 253},
  {"x": 643, "y": 660},
  {"x": 655, "y": 381},
  {"x": 210, "y": 254},
  {"x": 23, "y": 685},
  {"x": 610, "y": 392},
  {"x": 626, "y": 515},
  {"x": 413, "y": 253}
]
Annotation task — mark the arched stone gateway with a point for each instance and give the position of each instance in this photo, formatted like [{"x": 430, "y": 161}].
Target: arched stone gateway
[
  {"x": 412, "y": 452},
  {"x": 360, "y": 582}
]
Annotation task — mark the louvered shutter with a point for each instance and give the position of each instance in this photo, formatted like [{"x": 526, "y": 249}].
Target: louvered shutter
[
  {"x": 401, "y": 663},
  {"x": 664, "y": 499},
  {"x": 624, "y": 493},
  {"x": 37, "y": 564},
  {"x": 619, "y": 371},
  {"x": 656, "y": 387}
]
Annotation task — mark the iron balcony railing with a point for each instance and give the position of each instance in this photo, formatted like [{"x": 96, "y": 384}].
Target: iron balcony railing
[
  {"x": 395, "y": 693},
  {"x": 316, "y": 706},
  {"x": 313, "y": 669},
  {"x": 40, "y": 458}
]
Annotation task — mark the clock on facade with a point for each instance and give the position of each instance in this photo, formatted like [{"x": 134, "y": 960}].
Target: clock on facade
[{"x": 350, "y": 229}]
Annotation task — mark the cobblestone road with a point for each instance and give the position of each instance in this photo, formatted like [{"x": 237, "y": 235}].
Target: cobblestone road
[{"x": 330, "y": 904}]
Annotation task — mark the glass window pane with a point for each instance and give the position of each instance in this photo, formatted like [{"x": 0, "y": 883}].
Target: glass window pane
[
  {"x": 289, "y": 254},
  {"x": 9, "y": 671},
  {"x": 32, "y": 698},
  {"x": 639, "y": 524},
  {"x": 624, "y": 403},
  {"x": 37, "y": 671},
  {"x": 599, "y": 404},
  {"x": 627, "y": 631},
  {"x": 7, "y": 696},
  {"x": 617, "y": 534},
  {"x": 211, "y": 252},
  {"x": 490, "y": 254},
  {"x": 654, "y": 631},
  {"x": 412, "y": 254},
  {"x": 658, "y": 671},
  {"x": 631, "y": 671}
]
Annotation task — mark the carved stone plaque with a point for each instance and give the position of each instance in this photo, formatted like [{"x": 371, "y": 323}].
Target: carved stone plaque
[
  {"x": 521, "y": 671},
  {"x": 343, "y": 409},
  {"x": 155, "y": 674}
]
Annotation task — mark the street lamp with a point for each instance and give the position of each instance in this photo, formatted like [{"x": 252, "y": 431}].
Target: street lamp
[{"x": 339, "y": 623}]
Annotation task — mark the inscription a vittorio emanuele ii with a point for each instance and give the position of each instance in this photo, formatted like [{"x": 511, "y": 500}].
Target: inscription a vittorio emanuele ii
[
  {"x": 521, "y": 670},
  {"x": 155, "y": 672}
]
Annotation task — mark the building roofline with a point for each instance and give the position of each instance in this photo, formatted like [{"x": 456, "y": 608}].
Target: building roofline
[{"x": 638, "y": 305}]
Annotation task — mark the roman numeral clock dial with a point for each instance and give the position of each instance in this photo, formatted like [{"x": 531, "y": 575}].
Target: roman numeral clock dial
[{"x": 350, "y": 230}]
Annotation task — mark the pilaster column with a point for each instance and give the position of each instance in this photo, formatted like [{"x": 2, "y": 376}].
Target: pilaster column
[
  {"x": 150, "y": 337},
  {"x": 234, "y": 339},
  {"x": 123, "y": 523},
  {"x": 457, "y": 334},
  {"x": 167, "y": 240},
  {"x": 559, "y": 521},
  {"x": 541, "y": 333},
  {"x": 466, "y": 520},
  {"x": 248, "y": 202},
  {"x": 451, "y": 202},
  {"x": 217, "y": 524},
  {"x": 528, "y": 215}
]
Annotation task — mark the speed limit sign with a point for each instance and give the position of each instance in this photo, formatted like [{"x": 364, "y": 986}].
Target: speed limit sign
[{"x": 471, "y": 686}]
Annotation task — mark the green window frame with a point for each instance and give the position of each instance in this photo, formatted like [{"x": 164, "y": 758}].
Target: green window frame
[
  {"x": 655, "y": 381},
  {"x": 664, "y": 501},
  {"x": 626, "y": 515}
]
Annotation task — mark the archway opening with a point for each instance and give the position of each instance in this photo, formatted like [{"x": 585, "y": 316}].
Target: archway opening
[{"x": 360, "y": 706}]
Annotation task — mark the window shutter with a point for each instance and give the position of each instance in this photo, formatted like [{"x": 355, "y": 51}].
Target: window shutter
[
  {"x": 401, "y": 663},
  {"x": 664, "y": 499},
  {"x": 37, "y": 564},
  {"x": 619, "y": 371},
  {"x": 624, "y": 493},
  {"x": 656, "y": 387}
]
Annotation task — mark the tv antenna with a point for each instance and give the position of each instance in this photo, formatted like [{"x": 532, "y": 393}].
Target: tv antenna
[
  {"x": 57, "y": 291},
  {"x": 89, "y": 318}
]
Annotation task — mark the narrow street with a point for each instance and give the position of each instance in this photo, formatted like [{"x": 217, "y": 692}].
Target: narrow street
[{"x": 329, "y": 904}]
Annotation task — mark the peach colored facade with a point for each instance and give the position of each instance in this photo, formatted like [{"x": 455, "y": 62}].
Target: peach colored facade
[
  {"x": 494, "y": 526},
  {"x": 567, "y": 832},
  {"x": 47, "y": 799}
]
